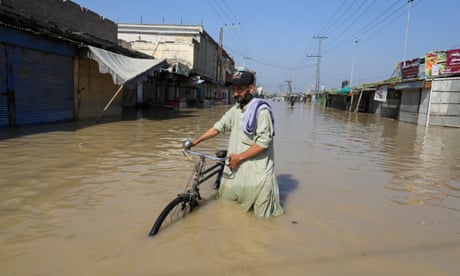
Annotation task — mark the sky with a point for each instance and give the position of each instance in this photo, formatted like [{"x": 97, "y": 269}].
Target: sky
[{"x": 361, "y": 40}]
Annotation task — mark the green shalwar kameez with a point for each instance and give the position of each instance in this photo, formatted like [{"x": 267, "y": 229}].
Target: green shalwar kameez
[{"x": 253, "y": 184}]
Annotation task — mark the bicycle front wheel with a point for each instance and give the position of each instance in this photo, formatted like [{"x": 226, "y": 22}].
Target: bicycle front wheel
[{"x": 176, "y": 209}]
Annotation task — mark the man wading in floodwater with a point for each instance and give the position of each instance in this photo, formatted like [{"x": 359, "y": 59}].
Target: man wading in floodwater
[{"x": 250, "y": 177}]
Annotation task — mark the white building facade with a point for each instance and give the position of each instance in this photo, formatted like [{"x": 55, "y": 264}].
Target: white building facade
[{"x": 198, "y": 67}]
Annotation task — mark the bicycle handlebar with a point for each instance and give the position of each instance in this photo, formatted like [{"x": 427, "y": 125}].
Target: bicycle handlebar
[
  {"x": 200, "y": 154},
  {"x": 187, "y": 145}
]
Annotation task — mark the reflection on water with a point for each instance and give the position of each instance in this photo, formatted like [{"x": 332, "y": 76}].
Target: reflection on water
[
  {"x": 90, "y": 192},
  {"x": 424, "y": 166}
]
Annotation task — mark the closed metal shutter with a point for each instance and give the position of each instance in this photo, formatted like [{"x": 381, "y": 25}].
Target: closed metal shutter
[
  {"x": 408, "y": 110},
  {"x": 43, "y": 84},
  {"x": 3, "y": 89}
]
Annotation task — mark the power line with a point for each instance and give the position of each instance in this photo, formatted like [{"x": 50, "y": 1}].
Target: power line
[
  {"x": 215, "y": 10},
  {"x": 356, "y": 19},
  {"x": 229, "y": 19},
  {"x": 342, "y": 15},
  {"x": 230, "y": 10},
  {"x": 390, "y": 16},
  {"x": 324, "y": 29},
  {"x": 241, "y": 39},
  {"x": 335, "y": 19},
  {"x": 393, "y": 19},
  {"x": 351, "y": 15},
  {"x": 376, "y": 21},
  {"x": 273, "y": 64},
  {"x": 224, "y": 11}
]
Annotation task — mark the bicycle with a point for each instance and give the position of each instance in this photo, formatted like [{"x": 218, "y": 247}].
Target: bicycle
[{"x": 187, "y": 201}]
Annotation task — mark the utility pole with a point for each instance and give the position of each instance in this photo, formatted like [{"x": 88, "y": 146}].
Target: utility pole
[
  {"x": 407, "y": 31},
  {"x": 244, "y": 61},
  {"x": 353, "y": 64},
  {"x": 219, "y": 55},
  {"x": 318, "y": 62},
  {"x": 290, "y": 97},
  {"x": 219, "y": 52},
  {"x": 289, "y": 85}
]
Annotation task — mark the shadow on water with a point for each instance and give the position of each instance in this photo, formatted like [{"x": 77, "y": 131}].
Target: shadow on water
[
  {"x": 154, "y": 114},
  {"x": 287, "y": 185},
  {"x": 158, "y": 114}
]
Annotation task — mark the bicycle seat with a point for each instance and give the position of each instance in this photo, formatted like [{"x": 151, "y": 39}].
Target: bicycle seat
[{"x": 221, "y": 153}]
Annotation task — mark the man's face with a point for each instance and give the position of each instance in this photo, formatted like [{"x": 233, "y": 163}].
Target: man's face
[{"x": 242, "y": 93}]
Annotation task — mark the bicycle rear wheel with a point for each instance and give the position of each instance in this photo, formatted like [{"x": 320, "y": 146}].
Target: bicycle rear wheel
[{"x": 176, "y": 209}]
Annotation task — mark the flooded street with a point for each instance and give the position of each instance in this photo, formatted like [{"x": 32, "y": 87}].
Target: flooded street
[{"x": 362, "y": 195}]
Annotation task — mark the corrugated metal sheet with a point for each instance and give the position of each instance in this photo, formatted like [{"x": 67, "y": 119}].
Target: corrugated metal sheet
[
  {"x": 3, "y": 89},
  {"x": 37, "y": 74},
  {"x": 390, "y": 108},
  {"x": 408, "y": 110},
  {"x": 43, "y": 86}
]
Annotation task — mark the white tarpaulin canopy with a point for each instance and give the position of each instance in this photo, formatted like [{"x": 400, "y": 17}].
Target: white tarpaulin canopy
[{"x": 123, "y": 68}]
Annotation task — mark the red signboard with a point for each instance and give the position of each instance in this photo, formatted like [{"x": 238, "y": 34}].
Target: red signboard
[
  {"x": 452, "y": 61},
  {"x": 409, "y": 69}
]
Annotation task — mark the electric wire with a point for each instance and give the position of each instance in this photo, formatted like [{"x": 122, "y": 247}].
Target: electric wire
[
  {"x": 226, "y": 14},
  {"x": 381, "y": 24},
  {"x": 341, "y": 27},
  {"x": 356, "y": 19},
  {"x": 350, "y": 16},
  {"x": 241, "y": 38},
  {"x": 273, "y": 64},
  {"x": 325, "y": 28}
]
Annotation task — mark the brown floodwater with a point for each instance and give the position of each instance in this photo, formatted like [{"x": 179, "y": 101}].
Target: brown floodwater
[{"x": 362, "y": 195}]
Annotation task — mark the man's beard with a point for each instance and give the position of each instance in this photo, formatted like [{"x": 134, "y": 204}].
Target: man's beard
[{"x": 244, "y": 100}]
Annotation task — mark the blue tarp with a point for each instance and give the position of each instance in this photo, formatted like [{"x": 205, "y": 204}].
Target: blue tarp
[{"x": 344, "y": 90}]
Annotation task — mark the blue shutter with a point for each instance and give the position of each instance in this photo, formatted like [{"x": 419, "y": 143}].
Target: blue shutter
[
  {"x": 3, "y": 89},
  {"x": 43, "y": 86}
]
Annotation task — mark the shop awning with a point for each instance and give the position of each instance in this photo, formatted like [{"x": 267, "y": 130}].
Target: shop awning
[{"x": 124, "y": 68}]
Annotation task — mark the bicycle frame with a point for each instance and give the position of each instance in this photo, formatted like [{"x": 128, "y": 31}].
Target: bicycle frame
[
  {"x": 188, "y": 200},
  {"x": 202, "y": 174}
]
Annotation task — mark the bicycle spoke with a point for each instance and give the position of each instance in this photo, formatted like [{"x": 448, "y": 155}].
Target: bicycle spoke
[
  {"x": 179, "y": 211},
  {"x": 175, "y": 211}
]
